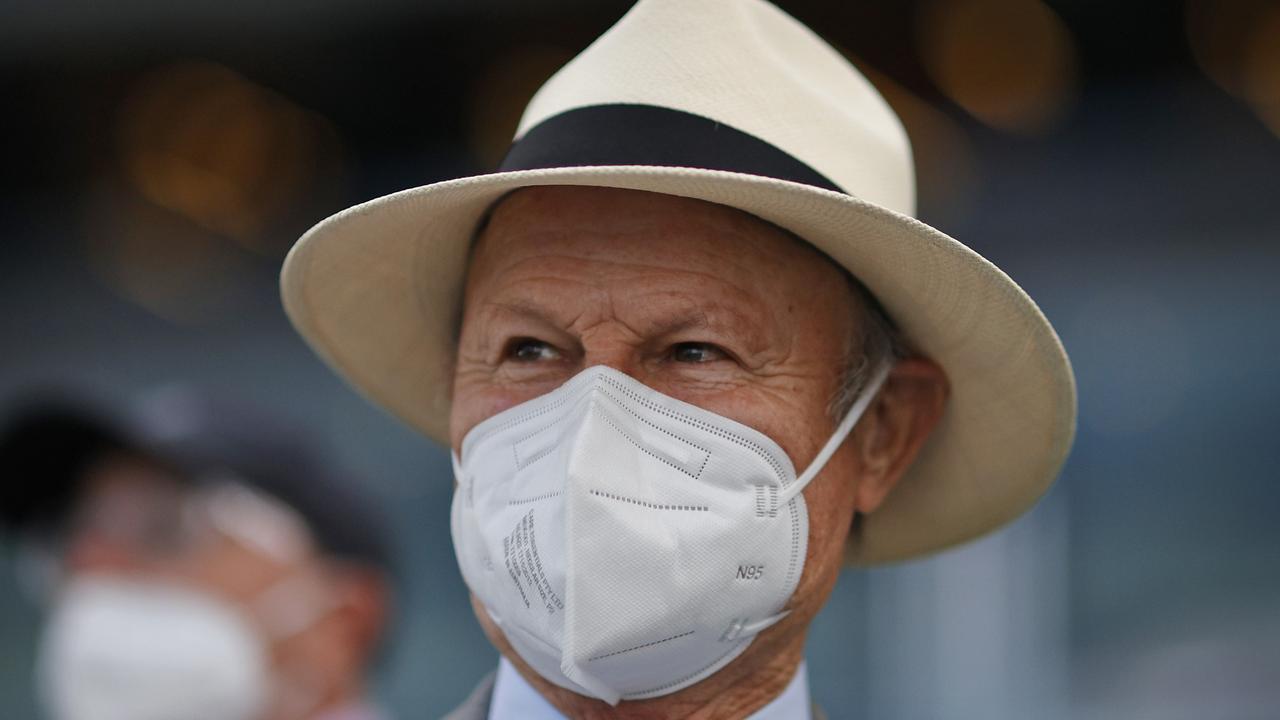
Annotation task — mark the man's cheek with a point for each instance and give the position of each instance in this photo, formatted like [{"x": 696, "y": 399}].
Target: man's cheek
[
  {"x": 472, "y": 406},
  {"x": 779, "y": 415}
]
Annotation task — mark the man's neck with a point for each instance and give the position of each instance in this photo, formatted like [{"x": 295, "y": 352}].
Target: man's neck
[
  {"x": 735, "y": 692},
  {"x": 334, "y": 702}
]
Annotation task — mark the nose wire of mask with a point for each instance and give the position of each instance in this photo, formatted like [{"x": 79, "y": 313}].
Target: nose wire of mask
[
  {"x": 627, "y": 543},
  {"x": 850, "y": 420}
]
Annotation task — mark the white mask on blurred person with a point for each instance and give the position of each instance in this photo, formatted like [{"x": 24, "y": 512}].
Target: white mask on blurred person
[
  {"x": 130, "y": 649},
  {"x": 117, "y": 649}
]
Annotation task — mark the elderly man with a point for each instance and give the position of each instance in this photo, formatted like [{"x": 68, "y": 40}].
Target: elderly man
[
  {"x": 692, "y": 353},
  {"x": 199, "y": 563}
]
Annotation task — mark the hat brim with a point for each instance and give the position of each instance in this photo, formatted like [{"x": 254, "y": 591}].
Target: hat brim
[{"x": 376, "y": 290}]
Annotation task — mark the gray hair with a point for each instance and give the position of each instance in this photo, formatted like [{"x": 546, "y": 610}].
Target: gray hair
[{"x": 879, "y": 341}]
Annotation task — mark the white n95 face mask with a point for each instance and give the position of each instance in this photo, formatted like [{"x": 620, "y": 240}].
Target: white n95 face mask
[
  {"x": 629, "y": 544},
  {"x": 117, "y": 649}
]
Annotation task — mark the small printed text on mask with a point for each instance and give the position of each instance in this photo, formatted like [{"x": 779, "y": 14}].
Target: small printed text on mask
[{"x": 520, "y": 553}]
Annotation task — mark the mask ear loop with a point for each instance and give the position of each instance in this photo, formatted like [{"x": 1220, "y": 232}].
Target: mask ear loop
[
  {"x": 845, "y": 427},
  {"x": 742, "y": 629}
]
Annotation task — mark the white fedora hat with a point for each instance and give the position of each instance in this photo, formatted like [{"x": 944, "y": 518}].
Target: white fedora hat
[{"x": 732, "y": 102}]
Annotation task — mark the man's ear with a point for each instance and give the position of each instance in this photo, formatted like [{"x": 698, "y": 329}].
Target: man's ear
[
  {"x": 895, "y": 427},
  {"x": 365, "y": 602}
]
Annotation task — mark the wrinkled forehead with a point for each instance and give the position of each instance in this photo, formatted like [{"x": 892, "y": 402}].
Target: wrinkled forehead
[
  {"x": 599, "y": 212},
  {"x": 563, "y": 225}
]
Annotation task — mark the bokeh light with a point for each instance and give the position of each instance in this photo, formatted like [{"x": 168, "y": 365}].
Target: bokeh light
[
  {"x": 213, "y": 169},
  {"x": 228, "y": 154},
  {"x": 162, "y": 262},
  {"x": 1010, "y": 63},
  {"x": 1262, "y": 70},
  {"x": 1217, "y": 31},
  {"x": 1236, "y": 43},
  {"x": 948, "y": 178}
]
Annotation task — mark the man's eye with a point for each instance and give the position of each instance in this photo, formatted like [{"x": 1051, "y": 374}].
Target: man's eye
[
  {"x": 695, "y": 352},
  {"x": 530, "y": 350}
]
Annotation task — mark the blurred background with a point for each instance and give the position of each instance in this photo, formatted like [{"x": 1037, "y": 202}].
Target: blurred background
[{"x": 1120, "y": 160}]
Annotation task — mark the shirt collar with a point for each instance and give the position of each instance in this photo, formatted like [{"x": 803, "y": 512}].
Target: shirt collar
[{"x": 514, "y": 698}]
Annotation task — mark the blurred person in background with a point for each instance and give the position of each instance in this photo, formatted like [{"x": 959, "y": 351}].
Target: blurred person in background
[
  {"x": 691, "y": 352},
  {"x": 199, "y": 562}
]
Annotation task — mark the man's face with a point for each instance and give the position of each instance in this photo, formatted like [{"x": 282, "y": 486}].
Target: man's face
[
  {"x": 699, "y": 301},
  {"x": 134, "y": 519}
]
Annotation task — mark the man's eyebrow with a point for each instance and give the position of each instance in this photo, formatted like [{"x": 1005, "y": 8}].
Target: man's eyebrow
[
  {"x": 718, "y": 318},
  {"x": 685, "y": 319},
  {"x": 519, "y": 307},
  {"x": 715, "y": 317},
  {"x": 692, "y": 319},
  {"x": 523, "y": 307},
  {"x": 549, "y": 315}
]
